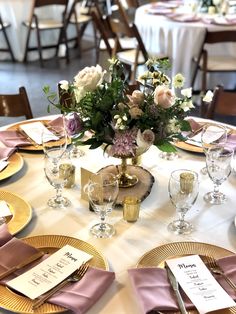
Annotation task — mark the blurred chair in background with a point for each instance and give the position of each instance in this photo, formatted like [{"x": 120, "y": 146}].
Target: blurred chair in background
[
  {"x": 15, "y": 105},
  {"x": 39, "y": 24},
  {"x": 3, "y": 27}
]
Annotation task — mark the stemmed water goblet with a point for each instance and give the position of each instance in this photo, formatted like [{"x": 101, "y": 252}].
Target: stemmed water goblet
[
  {"x": 102, "y": 191},
  {"x": 218, "y": 160},
  {"x": 58, "y": 175},
  {"x": 212, "y": 135},
  {"x": 183, "y": 192}
]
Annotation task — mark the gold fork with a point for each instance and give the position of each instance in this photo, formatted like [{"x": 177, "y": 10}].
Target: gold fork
[
  {"x": 216, "y": 269},
  {"x": 76, "y": 276}
]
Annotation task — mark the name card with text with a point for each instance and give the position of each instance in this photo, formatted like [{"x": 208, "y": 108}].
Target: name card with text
[
  {"x": 199, "y": 284},
  {"x": 50, "y": 272}
]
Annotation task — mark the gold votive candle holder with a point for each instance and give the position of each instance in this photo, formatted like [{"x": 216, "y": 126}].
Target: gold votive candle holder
[
  {"x": 131, "y": 208},
  {"x": 67, "y": 172},
  {"x": 186, "y": 182}
]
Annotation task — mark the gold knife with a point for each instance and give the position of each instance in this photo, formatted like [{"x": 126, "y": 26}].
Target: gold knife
[
  {"x": 29, "y": 260},
  {"x": 175, "y": 285}
]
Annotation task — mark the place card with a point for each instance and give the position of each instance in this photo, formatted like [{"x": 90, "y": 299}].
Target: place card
[
  {"x": 35, "y": 130},
  {"x": 199, "y": 284},
  {"x": 4, "y": 209},
  {"x": 85, "y": 176},
  {"x": 50, "y": 272}
]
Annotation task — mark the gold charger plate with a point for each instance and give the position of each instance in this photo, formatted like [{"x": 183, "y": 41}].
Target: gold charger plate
[
  {"x": 17, "y": 303},
  {"x": 20, "y": 209},
  {"x": 157, "y": 257},
  {"x": 35, "y": 147},
  {"x": 15, "y": 164},
  {"x": 189, "y": 147}
]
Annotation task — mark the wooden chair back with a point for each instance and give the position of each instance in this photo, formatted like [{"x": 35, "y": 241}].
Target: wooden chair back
[
  {"x": 223, "y": 103},
  {"x": 3, "y": 27},
  {"x": 15, "y": 105}
]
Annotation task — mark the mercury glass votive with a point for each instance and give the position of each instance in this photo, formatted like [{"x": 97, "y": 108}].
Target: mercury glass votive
[
  {"x": 131, "y": 208},
  {"x": 67, "y": 172}
]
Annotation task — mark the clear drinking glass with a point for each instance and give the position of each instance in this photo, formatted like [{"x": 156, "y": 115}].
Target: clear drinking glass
[
  {"x": 212, "y": 135},
  {"x": 218, "y": 160},
  {"x": 183, "y": 192},
  {"x": 102, "y": 191},
  {"x": 58, "y": 175},
  {"x": 55, "y": 142}
]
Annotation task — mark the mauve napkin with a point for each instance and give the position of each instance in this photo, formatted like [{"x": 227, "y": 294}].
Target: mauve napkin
[
  {"x": 231, "y": 141},
  {"x": 155, "y": 293},
  {"x": 6, "y": 152},
  {"x": 78, "y": 297},
  {"x": 58, "y": 122},
  {"x": 12, "y": 138}
]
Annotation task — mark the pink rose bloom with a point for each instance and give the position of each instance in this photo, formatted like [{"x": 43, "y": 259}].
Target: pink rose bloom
[
  {"x": 135, "y": 112},
  {"x": 163, "y": 97}
]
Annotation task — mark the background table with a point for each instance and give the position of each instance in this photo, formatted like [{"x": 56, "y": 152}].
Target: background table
[
  {"x": 213, "y": 224},
  {"x": 181, "y": 42}
]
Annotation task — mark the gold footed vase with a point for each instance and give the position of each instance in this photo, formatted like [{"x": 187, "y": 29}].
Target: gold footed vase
[{"x": 125, "y": 179}]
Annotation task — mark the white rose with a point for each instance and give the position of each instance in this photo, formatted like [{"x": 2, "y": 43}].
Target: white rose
[
  {"x": 89, "y": 78},
  {"x": 64, "y": 85},
  {"x": 163, "y": 96},
  {"x": 187, "y": 92},
  {"x": 208, "y": 97}
]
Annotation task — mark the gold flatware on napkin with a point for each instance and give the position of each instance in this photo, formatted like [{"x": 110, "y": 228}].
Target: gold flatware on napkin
[
  {"x": 175, "y": 285},
  {"x": 74, "y": 277},
  {"x": 28, "y": 261},
  {"x": 216, "y": 269}
]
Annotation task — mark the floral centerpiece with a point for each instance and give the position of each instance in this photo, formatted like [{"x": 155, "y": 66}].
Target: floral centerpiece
[{"x": 125, "y": 124}]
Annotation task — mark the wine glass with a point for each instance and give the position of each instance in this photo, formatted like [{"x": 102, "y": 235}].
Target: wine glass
[
  {"x": 54, "y": 142},
  {"x": 212, "y": 135},
  {"x": 58, "y": 175},
  {"x": 183, "y": 191},
  {"x": 218, "y": 160},
  {"x": 102, "y": 191}
]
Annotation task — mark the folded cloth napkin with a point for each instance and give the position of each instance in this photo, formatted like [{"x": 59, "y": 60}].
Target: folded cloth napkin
[
  {"x": 79, "y": 297},
  {"x": 6, "y": 152},
  {"x": 56, "y": 122},
  {"x": 231, "y": 141},
  {"x": 155, "y": 293},
  {"x": 12, "y": 138},
  {"x": 5, "y": 236}
]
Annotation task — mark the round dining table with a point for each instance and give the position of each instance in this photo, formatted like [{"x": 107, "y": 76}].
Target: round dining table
[
  {"x": 181, "y": 39},
  {"x": 214, "y": 225}
]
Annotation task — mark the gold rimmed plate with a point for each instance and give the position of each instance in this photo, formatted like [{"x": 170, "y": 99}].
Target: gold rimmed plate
[
  {"x": 157, "y": 257},
  {"x": 15, "y": 164},
  {"x": 20, "y": 209},
  {"x": 189, "y": 147},
  {"x": 33, "y": 147},
  {"x": 17, "y": 303}
]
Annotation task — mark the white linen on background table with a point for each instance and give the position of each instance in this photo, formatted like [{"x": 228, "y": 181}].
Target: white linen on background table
[{"x": 214, "y": 224}]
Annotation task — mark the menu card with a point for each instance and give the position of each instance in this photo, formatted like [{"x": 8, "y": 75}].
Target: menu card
[
  {"x": 50, "y": 272},
  {"x": 199, "y": 284},
  {"x": 35, "y": 129},
  {"x": 4, "y": 209}
]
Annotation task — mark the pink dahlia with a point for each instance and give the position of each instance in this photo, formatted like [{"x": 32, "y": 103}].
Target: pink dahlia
[{"x": 124, "y": 143}]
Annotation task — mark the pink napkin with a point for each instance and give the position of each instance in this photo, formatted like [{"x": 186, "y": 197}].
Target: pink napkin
[
  {"x": 6, "y": 152},
  {"x": 12, "y": 138},
  {"x": 155, "y": 293},
  {"x": 231, "y": 141},
  {"x": 58, "y": 122},
  {"x": 78, "y": 297},
  {"x": 184, "y": 17}
]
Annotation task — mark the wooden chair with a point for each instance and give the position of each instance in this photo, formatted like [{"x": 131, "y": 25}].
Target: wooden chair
[
  {"x": 206, "y": 63},
  {"x": 222, "y": 106},
  {"x": 39, "y": 24},
  {"x": 3, "y": 27},
  {"x": 15, "y": 105},
  {"x": 80, "y": 17}
]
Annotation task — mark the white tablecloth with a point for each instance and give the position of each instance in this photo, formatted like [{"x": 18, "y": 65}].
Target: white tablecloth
[
  {"x": 213, "y": 224},
  {"x": 181, "y": 42},
  {"x": 17, "y": 11}
]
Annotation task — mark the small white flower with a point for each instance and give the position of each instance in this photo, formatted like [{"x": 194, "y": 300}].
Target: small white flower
[
  {"x": 187, "y": 105},
  {"x": 124, "y": 117},
  {"x": 64, "y": 85},
  {"x": 208, "y": 97},
  {"x": 116, "y": 117},
  {"x": 187, "y": 92},
  {"x": 178, "y": 80}
]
